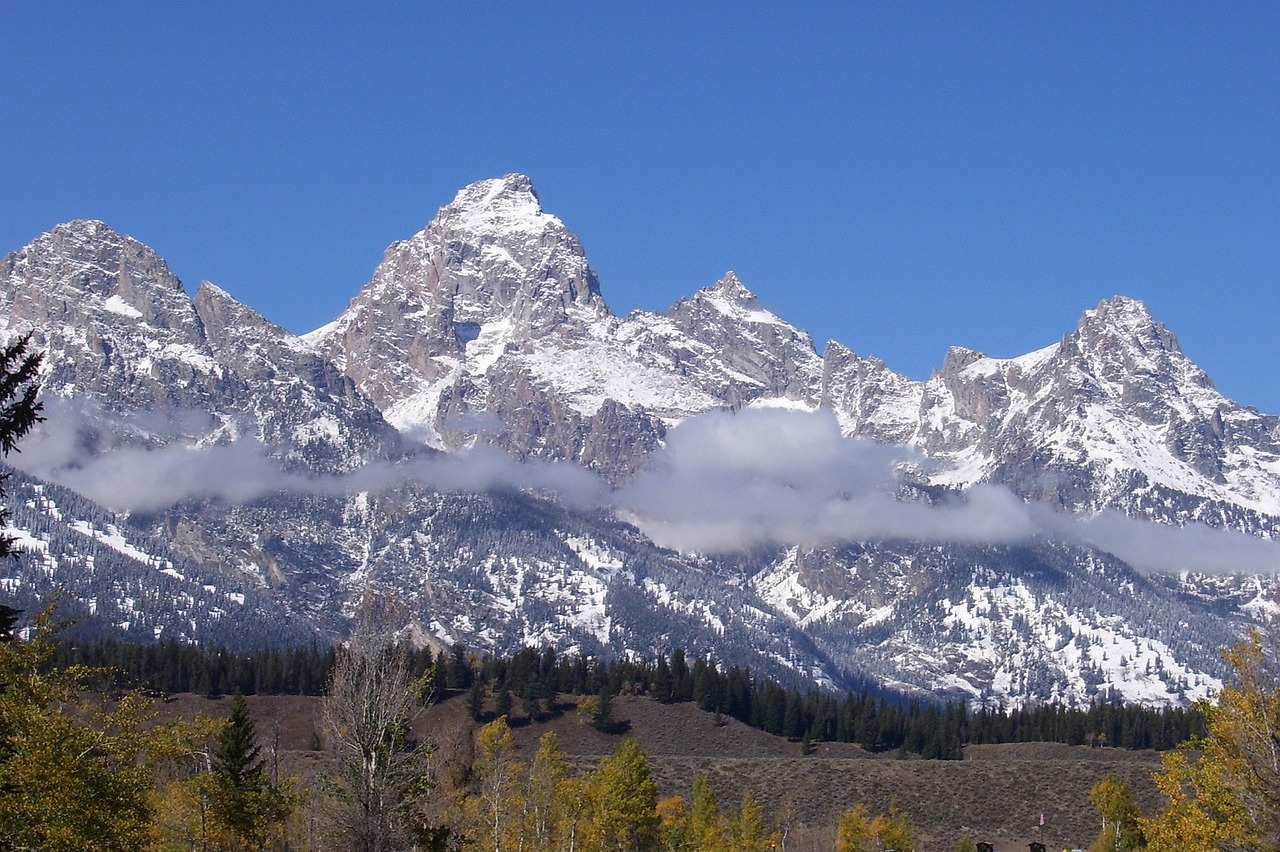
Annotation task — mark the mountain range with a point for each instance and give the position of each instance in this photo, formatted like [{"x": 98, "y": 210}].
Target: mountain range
[{"x": 481, "y": 436}]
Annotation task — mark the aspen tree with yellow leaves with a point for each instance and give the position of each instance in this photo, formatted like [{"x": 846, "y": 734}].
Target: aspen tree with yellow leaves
[{"x": 1228, "y": 798}]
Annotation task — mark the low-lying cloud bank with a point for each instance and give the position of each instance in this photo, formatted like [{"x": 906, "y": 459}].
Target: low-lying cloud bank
[
  {"x": 187, "y": 464},
  {"x": 727, "y": 482},
  {"x": 723, "y": 482}
]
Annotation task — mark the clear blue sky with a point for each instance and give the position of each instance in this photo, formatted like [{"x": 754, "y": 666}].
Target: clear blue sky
[{"x": 901, "y": 177}]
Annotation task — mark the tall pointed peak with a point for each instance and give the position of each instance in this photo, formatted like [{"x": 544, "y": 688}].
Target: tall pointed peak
[
  {"x": 212, "y": 301},
  {"x": 93, "y": 239},
  {"x": 731, "y": 286},
  {"x": 1124, "y": 318},
  {"x": 1120, "y": 310},
  {"x": 505, "y": 203},
  {"x": 90, "y": 228},
  {"x": 87, "y": 257},
  {"x": 728, "y": 292},
  {"x": 958, "y": 358}
]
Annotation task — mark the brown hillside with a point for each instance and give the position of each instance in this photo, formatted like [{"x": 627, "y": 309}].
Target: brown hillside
[{"x": 997, "y": 793}]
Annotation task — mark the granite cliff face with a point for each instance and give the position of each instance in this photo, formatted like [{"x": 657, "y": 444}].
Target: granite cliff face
[
  {"x": 149, "y": 366},
  {"x": 1112, "y": 416},
  {"x": 488, "y": 329}
]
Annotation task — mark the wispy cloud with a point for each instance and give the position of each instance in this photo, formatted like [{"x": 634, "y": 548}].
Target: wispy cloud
[
  {"x": 728, "y": 482},
  {"x": 723, "y": 482},
  {"x": 166, "y": 460}
]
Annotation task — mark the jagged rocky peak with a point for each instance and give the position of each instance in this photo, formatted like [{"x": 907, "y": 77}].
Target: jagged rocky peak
[
  {"x": 958, "y": 358},
  {"x": 492, "y": 255},
  {"x": 728, "y": 296},
  {"x": 245, "y": 341},
  {"x": 765, "y": 356},
  {"x": 506, "y": 257},
  {"x": 221, "y": 312},
  {"x": 1122, "y": 347},
  {"x": 86, "y": 267},
  {"x": 499, "y": 206},
  {"x": 731, "y": 287},
  {"x": 1121, "y": 320}
]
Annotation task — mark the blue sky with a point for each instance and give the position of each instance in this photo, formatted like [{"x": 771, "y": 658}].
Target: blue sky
[{"x": 901, "y": 177}]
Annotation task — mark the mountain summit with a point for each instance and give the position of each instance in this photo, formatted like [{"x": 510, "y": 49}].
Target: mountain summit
[{"x": 308, "y": 468}]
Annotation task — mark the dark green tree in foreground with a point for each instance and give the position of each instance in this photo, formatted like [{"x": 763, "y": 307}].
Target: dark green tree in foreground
[
  {"x": 8, "y": 621},
  {"x": 241, "y": 796},
  {"x": 19, "y": 412}
]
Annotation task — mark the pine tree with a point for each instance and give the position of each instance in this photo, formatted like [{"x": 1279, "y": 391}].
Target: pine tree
[
  {"x": 602, "y": 715},
  {"x": 662, "y": 681},
  {"x": 475, "y": 700},
  {"x": 241, "y": 797},
  {"x": 8, "y": 620},
  {"x": 19, "y": 412},
  {"x": 236, "y": 757}
]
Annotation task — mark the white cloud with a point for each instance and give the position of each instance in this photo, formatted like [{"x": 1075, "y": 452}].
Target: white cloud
[
  {"x": 728, "y": 482},
  {"x": 723, "y": 482},
  {"x": 169, "y": 459}
]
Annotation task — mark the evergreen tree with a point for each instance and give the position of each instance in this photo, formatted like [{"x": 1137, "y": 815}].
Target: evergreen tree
[
  {"x": 236, "y": 757},
  {"x": 241, "y": 797},
  {"x": 19, "y": 412},
  {"x": 475, "y": 700},
  {"x": 681, "y": 677},
  {"x": 602, "y": 714},
  {"x": 502, "y": 702},
  {"x": 662, "y": 682},
  {"x": 8, "y": 620}
]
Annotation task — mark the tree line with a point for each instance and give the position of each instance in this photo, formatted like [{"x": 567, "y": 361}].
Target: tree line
[
  {"x": 85, "y": 772},
  {"x": 527, "y": 683}
]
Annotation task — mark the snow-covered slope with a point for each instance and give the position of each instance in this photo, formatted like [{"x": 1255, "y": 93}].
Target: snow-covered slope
[
  {"x": 140, "y": 363},
  {"x": 1114, "y": 415},
  {"x": 489, "y": 327}
]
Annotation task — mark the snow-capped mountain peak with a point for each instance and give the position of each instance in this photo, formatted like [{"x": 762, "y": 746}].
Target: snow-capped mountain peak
[
  {"x": 497, "y": 207},
  {"x": 488, "y": 326}
]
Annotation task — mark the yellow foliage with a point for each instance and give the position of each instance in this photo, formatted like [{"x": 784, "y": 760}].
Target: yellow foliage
[
  {"x": 76, "y": 774},
  {"x": 1228, "y": 797},
  {"x": 858, "y": 831}
]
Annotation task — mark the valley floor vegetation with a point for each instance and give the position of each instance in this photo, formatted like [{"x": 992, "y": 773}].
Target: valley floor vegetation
[{"x": 84, "y": 764}]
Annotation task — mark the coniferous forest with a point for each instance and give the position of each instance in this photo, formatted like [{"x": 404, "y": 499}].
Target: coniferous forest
[{"x": 874, "y": 718}]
